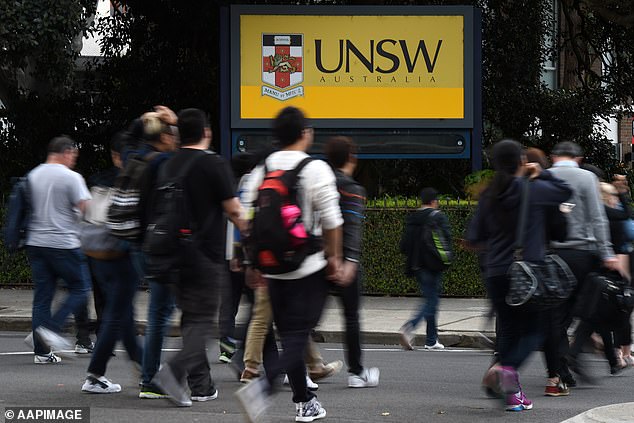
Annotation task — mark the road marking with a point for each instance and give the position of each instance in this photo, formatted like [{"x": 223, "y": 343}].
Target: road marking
[{"x": 452, "y": 350}]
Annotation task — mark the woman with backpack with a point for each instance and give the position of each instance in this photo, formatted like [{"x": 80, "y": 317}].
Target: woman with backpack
[{"x": 494, "y": 225}]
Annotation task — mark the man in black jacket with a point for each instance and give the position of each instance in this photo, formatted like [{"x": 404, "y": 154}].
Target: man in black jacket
[
  {"x": 341, "y": 156},
  {"x": 423, "y": 268}
]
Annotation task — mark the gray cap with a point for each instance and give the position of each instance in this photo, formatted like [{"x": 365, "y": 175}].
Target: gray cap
[{"x": 567, "y": 149}]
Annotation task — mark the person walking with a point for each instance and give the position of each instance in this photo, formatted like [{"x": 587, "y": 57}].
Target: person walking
[
  {"x": 494, "y": 224},
  {"x": 58, "y": 198},
  {"x": 587, "y": 246},
  {"x": 210, "y": 193},
  {"x": 341, "y": 154},
  {"x": 420, "y": 266},
  {"x": 297, "y": 297},
  {"x": 116, "y": 277}
]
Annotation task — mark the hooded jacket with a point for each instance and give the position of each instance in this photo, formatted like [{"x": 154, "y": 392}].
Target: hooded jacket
[{"x": 499, "y": 243}]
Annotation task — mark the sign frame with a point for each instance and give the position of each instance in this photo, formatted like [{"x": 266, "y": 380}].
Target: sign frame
[{"x": 469, "y": 64}]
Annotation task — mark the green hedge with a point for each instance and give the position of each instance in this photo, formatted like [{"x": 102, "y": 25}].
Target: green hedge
[{"x": 383, "y": 263}]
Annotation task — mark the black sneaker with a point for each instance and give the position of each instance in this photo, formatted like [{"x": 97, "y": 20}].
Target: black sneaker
[
  {"x": 151, "y": 391},
  {"x": 205, "y": 397},
  {"x": 227, "y": 349}
]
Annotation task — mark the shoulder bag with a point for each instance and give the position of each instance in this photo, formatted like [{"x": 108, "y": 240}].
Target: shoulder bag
[{"x": 539, "y": 285}]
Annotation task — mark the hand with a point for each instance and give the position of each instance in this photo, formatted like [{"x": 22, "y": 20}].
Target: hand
[
  {"x": 347, "y": 273},
  {"x": 533, "y": 170},
  {"x": 235, "y": 265},
  {"x": 253, "y": 278},
  {"x": 166, "y": 115},
  {"x": 333, "y": 268},
  {"x": 612, "y": 263},
  {"x": 620, "y": 183}
]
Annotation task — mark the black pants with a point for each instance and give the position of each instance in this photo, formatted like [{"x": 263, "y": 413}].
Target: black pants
[
  {"x": 350, "y": 299},
  {"x": 519, "y": 330},
  {"x": 230, "y": 297},
  {"x": 582, "y": 335},
  {"x": 581, "y": 264},
  {"x": 197, "y": 296},
  {"x": 297, "y": 306}
]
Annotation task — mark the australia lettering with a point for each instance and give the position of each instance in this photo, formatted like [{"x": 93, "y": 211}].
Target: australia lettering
[{"x": 396, "y": 52}]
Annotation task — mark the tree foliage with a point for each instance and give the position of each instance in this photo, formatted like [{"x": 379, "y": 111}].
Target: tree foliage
[{"x": 167, "y": 51}]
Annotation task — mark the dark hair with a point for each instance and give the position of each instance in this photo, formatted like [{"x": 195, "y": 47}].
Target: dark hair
[
  {"x": 535, "y": 155},
  {"x": 427, "y": 195},
  {"x": 567, "y": 149},
  {"x": 119, "y": 141},
  {"x": 191, "y": 126},
  {"x": 61, "y": 144},
  {"x": 507, "y": 157},
  {"x": 339, "y": 149},
  {"x": 289, "y": 125},
  {"x": 243, "y": 163}
]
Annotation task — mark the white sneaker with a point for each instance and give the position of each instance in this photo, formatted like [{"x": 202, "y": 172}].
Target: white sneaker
[
  {"x": 325, "y": 370},
  {"x": 436, "y": 346},
  {"x": 49, "y": 358},
  {"x": 100, "y": 385},
  {"x": 29, "y": 340},
  {"x": 254, "y": 399},
  {"x": 406, "y": 337},
  {"x": 369, "y": 378},
  {"x": 309, "y": 383},
  {"x": 309, "y": 411},
  {"x": 53, "y": 340}
]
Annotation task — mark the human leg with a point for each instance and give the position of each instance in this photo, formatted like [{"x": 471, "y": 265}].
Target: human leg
[
  {"x": 160, "y": 308},
  {"x": 44, "y": 284}
]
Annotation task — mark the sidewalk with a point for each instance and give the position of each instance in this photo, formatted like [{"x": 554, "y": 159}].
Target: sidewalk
[
  {"x": 459, "y": 320},
  {"x": 615, "y": 413}
]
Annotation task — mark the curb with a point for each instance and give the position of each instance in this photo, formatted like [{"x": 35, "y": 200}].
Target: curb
[
  {"x": 472, "y": 340},
  {"x": 615, "y": 413}
]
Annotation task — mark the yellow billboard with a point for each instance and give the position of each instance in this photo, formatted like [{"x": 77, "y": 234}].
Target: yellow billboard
[{"x": 352, "y": 67}]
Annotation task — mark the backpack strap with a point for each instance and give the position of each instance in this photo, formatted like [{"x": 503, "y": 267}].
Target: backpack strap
[{"x": 296, "y": 171}]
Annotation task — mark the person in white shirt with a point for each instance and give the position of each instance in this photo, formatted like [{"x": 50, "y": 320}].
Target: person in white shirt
[{"x": 297, "y": 297}]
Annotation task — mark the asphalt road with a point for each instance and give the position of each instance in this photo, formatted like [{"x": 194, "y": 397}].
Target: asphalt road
[{"x": 416, "y": 386}]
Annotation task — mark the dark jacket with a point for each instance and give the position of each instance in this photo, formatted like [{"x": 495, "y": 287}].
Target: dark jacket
[
  {"x": 352, "y": 198},
  {"x": 617, "y": 219},
  {"x": 411, "y": 241},
  {"x": 499, "y": 243}
]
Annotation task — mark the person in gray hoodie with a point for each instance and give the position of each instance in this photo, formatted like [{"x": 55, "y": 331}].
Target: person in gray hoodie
[{"x": 587, "y": 245}]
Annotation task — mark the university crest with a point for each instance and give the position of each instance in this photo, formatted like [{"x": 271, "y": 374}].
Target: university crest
[{"x": 282, "y": 65}]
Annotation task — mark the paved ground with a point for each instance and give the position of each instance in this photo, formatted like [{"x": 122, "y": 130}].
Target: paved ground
[{"x": 416, "y": 386}]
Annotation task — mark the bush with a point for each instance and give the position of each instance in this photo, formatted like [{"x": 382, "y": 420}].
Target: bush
[
  {"x": 384, "y": 265},
  {"x": 382, "y": 261}
]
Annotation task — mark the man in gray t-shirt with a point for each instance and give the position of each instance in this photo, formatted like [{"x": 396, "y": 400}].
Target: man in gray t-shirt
[{"x": 58, "y": 197}]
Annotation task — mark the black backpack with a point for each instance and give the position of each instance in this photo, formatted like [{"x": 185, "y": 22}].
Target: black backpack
[
  {"x": 124, "y": 216},
  {"x": 18, "y": 215},
  {"x": 170, "y": 233},
  {"x": 279, "y": 241},
  {"x": 436, "y": 253}
]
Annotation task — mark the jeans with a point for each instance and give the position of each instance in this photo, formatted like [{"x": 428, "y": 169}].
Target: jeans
[
  {"x": 119, "y": 280},
  {"x": 297, "y": 306},
  {"x": 430, "y": 285},
  {"x": 230, "y": 296},
  {"x": 520, "y": 331},
  {"x": 47, "y": 265},
  {"x": 160, "y": 310}
]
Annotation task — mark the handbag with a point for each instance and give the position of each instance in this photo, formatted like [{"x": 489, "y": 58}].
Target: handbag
[
  {"x": 543, "y": 284},
  {"x": 94, "y": 235}
]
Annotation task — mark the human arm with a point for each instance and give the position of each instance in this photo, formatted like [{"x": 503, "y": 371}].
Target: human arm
[
  {"x": 352, "y": 204},
  {"x": 233, "y": 210},
  {"x": 599, "y": 222}
]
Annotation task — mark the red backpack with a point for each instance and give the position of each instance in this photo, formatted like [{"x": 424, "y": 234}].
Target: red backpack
[{"x": 279, "y": 241}]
